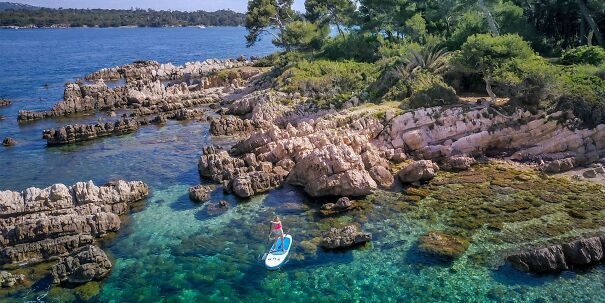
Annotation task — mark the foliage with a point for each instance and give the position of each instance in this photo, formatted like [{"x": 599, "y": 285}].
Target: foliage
[
  {"x": 45, "y": 17},
  {"x": 581, "y": 90},
  {"x": 337, "y": 12},
  {"x": 327, "y": 82},
  {"x": 525, "y": 80},
  {"x": 265, "y": 16},
  {"x": 584, "y": 55},
  {"x": 302, "y": 35},
  {"x": 429, "y": 90},
  {"x": 353, "y": 46},
  {"x": 495, "y": 58}
]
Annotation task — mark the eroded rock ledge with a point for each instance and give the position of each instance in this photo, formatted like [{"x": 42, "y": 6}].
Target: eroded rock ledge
[
  {"x": 38, "y": 225},
  {"x": 352, "y": 152},
  {"x": 560, "y": 257}
]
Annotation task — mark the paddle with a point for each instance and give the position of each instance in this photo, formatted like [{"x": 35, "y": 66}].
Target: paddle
[{"x": 269, "y": 238}]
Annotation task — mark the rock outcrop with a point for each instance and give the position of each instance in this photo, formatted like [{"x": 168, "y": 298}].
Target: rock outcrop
[
  {"x": 560, "y": 257},
  {"x": 199, "y": 193},
  {"x": 333, "y": 170},
  {"x": 342, "y": 238},
  {"x": 438, "y": 132},
  {"x": 83, "y": 265},
  {"x": 8, "y": 141},
  {"x": 9, "y": 280},
  {"x": 4, "y": 102},
  {"x": 82, "y": 132},
  {"x": 39, "y": 224},
  {"x": 422, "y": 170}
]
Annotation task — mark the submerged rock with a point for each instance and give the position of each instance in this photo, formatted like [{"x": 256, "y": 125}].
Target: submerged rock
[
  {"x": 8, "y": 141},
  {"x": 443, "y": 245},
  {"x": 422, "y": 170},
  {"x": 200, "y": 193},
  {"x": 343, "y": 203},
  {"x": 83, "y": 265},
  {"x": 345, "y": 237}
]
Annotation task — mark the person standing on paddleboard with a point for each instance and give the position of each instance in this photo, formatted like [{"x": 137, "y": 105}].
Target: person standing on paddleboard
[{"x": 278, "y": 231}]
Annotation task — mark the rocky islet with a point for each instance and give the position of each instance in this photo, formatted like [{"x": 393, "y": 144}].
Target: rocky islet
[{"x": 40, "y": 225}]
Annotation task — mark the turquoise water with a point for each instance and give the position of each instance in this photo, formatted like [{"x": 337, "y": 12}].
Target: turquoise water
[{"x": 173, "y": 250}]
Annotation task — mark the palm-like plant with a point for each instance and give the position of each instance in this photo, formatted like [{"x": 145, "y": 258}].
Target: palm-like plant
[{"x": 432, "y": 59}]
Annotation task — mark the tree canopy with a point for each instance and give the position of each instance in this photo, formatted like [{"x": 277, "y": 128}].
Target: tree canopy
[{"x": 45, "y": 17}]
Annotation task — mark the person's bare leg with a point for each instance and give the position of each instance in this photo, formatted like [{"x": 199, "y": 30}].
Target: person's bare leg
[
  {"x": 283, "y": 244},
  {"x": 275, "y": 244}
]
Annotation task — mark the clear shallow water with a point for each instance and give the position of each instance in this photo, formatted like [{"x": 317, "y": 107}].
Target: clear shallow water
[{"x": 172, "y": 250}]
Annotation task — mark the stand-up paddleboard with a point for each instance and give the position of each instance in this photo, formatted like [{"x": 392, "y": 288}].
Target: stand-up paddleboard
[{"x": 276, "y": 256}]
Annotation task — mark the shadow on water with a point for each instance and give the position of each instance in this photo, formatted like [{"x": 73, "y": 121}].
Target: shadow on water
[
  {"x": 183, "y": 203},
  {"x": 415, "y": 255},
  {"x": 508, "y": 275}
]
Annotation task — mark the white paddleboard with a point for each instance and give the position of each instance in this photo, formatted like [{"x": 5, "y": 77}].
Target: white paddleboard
[{"x": 276, "y": 256}]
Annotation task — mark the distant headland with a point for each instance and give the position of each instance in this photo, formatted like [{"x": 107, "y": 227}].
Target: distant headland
[{"x": 16, "y": 15}]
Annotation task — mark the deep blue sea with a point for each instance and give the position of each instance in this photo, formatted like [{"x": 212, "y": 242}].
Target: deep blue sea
[{"x": 173, "y": 250}]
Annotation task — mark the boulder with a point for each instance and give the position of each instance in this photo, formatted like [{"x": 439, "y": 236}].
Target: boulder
[
  {"x": 457, "y": 163},
  {"x": 199, "y": 193},
  {"x": 9, "y": 280},
  {"x": 540, "y": 260},
  {"x": 422, "y": 170},
  {"x": 590, "y": 173},
  {"x": 342, "y": 204},
  {"x": 334, "y": 170},
  {"x": 8, "y": 141},
  {"x": 560, "y": 165},
  {"x": 255, "y": 183},
  {"x": 83, "y": 265},
  {"x": 583, "y": 251},
  {"x": 343, "y": 238},
  {"x": 382, "y": 176}
]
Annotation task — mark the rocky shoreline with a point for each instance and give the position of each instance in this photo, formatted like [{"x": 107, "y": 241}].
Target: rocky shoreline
[
  {"x": 149, "y": 92},
  {"x": 354, "y": 151},
  {"x": 41, "y": 225}
]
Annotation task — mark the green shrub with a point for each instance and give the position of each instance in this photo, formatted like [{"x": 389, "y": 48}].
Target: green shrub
[
  {"x": 429, "y": 90},
  {"x": 580, "y": 90},
  {"x": 302, "y": 35},
  {"x": 353, "y": 46},
  {"x": 584, "y": 55},
  {"x": 326, "y": 82},
  {"x": 524, "y": 80},
  {"x": 388, "y": 86}
]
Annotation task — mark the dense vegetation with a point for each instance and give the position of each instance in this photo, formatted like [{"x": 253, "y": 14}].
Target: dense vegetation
[
  {"x": 45, "y": 17},
  {"x": 537, "y": 54}
]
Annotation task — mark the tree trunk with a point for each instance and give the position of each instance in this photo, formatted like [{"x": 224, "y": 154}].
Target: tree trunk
[
  {"x": 490, "y": 92},
  {"x": 591, "y": 22},
  {"x": 493, "y": 26}
]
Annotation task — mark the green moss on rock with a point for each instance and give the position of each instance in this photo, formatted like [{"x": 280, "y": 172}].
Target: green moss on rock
[{"x": 443, "y": 245}]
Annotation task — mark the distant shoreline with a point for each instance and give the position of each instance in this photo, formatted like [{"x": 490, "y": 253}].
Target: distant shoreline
[{"x": 101, "y": 27}]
